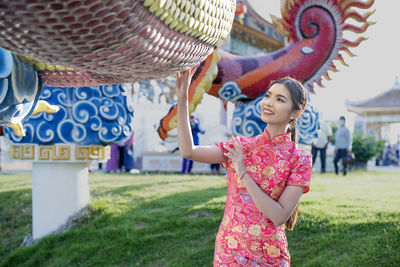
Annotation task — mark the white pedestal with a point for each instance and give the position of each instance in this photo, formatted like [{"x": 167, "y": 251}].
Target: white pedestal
[
  {"x": 60, "y": 184},
  {"x": 59, "y": 191}
]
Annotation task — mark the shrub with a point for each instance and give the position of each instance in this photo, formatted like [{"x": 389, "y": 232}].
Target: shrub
[
  {"x": 334, "y": 128},
  {"x": 365, "y": 148}
]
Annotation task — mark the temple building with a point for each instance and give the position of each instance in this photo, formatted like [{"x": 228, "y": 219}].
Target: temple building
[
  {"x": 379, "y": 115},
  {"x": 252, "y": 35}
]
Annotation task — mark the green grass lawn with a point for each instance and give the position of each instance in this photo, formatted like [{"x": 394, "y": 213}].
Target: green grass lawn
[{"x": 172, "y": 220}]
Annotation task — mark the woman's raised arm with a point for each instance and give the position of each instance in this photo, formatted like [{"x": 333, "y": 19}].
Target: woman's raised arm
[{"x": 206, "y": 154}]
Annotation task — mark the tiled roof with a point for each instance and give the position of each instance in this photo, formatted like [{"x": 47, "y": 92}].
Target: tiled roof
[{"x": 389, "y": 99}]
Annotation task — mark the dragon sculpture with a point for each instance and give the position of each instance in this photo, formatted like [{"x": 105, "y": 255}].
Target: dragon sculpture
[
  {"x": 314, "y": 30},
  {"x": 66, "y": 43},
  {"x": 69, "y": 43}
]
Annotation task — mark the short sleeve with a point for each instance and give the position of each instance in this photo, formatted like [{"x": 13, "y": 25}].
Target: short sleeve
[
  {"x": 223, "y": 145},
  {"x": 300, "y": 173},
  {"x": 329, "y": 129}
]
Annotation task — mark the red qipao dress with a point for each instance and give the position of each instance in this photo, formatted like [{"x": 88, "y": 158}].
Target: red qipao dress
[{"x": 246, "y": 237}]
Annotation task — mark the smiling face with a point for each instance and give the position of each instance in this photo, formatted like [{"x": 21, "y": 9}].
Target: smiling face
[{"x": 277, "y": 105}]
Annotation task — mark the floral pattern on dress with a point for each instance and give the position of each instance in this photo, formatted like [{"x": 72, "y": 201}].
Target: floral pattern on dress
[{"x": 246, "y": 237}]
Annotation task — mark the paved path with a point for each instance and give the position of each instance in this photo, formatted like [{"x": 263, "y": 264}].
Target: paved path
[{"x": 384, "y": 168}]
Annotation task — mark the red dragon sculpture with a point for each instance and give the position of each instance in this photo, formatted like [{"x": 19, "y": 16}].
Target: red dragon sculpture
[{"x": 314, "y": 30}]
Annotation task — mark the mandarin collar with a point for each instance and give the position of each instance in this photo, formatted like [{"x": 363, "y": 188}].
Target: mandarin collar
[{"x": 279, "y": 139}]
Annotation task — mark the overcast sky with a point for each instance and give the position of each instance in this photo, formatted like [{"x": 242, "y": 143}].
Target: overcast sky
[{"x": 371, "y": 72}]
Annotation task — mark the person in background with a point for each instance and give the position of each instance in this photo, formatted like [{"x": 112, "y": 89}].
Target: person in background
[
  {"x": 398, "y": 153},
  {"x": 387, "y": 155},
  {"x": 121, "y": 156},
  {"x": 195, "y": 127},
  {"x": 342, "y": 145},
  {"x": 222, "y": 133},
  {"x": 128, "y": 159},
  {"x": 112, "y": 163},
  {"x": 320, "y": 144},
  {"x": 214, "y": 168}
]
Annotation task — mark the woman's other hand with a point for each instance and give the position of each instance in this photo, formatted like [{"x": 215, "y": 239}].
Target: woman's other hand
[
  {"x": 236, "y": 156},
  {"x": 183, "y": 82}
]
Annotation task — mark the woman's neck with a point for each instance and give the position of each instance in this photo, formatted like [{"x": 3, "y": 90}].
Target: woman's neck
[{"x": 275, "y": 130}]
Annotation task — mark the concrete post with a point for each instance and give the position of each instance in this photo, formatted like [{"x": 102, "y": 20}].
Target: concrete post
[
  {"x": 60, "y": 183},
  {"x": 59, "y": 190}
]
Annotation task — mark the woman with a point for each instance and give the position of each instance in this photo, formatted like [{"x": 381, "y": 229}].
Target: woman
[{"x": 267, "y": 175}]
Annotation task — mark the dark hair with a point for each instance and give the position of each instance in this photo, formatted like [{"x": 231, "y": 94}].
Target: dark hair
[
  {"x": 299, "y": 99},
  {"x": 342, "y": 118}
]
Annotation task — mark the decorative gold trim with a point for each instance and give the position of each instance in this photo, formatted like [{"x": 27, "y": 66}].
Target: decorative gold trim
[
  {"x": 89, "y": 152},
  {"x": 60, "y": 152},
  {"x": 22, "y": 152},
  {"x": 47, "y": 152},
  {"x": 64, "y": 153},
  {"x": 107, "y": 153}
]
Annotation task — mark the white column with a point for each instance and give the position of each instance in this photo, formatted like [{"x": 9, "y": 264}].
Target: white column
[{"x": 59, "y": 191}]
